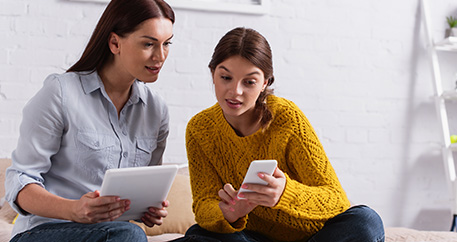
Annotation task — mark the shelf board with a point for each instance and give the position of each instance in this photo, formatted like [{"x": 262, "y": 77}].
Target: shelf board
[
  {"x": 448, "y": 44},
  {"x": 453, "y": 147},
  {"x": 449, "y": 95}
]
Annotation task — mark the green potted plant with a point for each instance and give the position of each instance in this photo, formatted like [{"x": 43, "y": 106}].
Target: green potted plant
[{"x": 452, "y": 30}]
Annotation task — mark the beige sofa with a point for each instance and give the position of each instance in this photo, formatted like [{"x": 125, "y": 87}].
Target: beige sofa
[{"x": 181, "y": 217}]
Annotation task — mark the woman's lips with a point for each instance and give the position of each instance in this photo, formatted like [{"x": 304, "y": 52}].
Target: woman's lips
[
  {"x": 153, "y": 69},
  {"x": 233, "y": 103}
]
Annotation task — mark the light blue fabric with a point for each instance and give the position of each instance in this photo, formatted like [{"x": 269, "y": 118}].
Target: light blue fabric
[{"x": 71, "y": 134}]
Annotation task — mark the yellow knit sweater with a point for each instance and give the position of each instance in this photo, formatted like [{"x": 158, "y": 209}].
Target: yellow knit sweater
[{"x": 218, "y": 156}]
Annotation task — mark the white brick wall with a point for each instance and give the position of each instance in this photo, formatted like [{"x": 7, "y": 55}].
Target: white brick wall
[{"x": 357, "y": 68}]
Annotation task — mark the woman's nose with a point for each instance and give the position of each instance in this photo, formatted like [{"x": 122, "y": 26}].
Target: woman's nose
[
  {"x": 159, "y": 54},
  {"x": 236, "y": 88}
]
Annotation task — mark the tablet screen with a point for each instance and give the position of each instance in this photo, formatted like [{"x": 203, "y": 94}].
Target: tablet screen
[{"x": 144, "y": 186}]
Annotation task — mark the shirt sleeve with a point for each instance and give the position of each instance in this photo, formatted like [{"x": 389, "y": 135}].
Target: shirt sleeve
[
  {"x": 40, "y": 134},
  {"x": 205, "y": 184}
]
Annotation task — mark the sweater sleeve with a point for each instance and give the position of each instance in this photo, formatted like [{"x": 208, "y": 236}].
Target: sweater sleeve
[
  {"x": 313, "y": 192},
  {"x": 205, "y": 184}
]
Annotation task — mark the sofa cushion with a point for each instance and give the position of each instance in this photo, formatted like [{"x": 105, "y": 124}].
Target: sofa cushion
[
  {"x": 7, "y": 213},
  {"x": 4, "y": 163},
  {"x": 398, "y": 234}
]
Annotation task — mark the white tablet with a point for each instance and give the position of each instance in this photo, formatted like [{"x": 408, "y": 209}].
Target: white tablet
[{"x": 144, "y": 186}]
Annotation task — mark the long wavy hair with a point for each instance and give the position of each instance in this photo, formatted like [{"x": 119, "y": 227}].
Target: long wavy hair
[
  {"x": 121, "y": 17},
  {"x": 252, "y": 46}
]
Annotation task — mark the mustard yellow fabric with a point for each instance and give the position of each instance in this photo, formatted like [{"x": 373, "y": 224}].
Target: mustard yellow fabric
[{"x": 218, "y": 156}]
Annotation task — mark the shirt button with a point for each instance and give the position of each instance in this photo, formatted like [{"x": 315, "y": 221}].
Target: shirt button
[
  {"x": 126, "y": 154},
  {"x": 124, "y": 132}
]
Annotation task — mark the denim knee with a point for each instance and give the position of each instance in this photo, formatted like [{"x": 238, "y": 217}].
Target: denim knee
[
  {"x": 125, "y": 231},
  {"x": 368, "y": 223},
  {"x": 357, "y": 224}
]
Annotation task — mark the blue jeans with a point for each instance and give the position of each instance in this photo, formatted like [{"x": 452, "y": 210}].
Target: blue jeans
[
  {"x": 77, "y": 232},
  {"x": 357, "y": 224}
]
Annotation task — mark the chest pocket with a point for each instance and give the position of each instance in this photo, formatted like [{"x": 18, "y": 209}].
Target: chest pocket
[
  {"x": 95, "y": 154},
  {"x": 144, "y": 149},
  {"x": 94, "y": 141}
]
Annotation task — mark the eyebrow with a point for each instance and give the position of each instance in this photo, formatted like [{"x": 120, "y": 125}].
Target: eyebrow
[
  {"x": 154, "y": 39},
  {"x": 249, "y": 74}
]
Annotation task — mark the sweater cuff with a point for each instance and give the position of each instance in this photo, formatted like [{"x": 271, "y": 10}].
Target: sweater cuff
[
  {"x": 287, "y": 195},
  {"x": 223, "y": 226},
  {"x": 240, "y": 224}
]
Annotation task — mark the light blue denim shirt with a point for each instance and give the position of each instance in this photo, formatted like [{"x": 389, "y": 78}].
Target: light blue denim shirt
[{"x": 71, "y": 134}]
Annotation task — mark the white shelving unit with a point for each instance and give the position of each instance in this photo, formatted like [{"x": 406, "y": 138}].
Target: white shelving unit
[{"x": 441, "y": 97}]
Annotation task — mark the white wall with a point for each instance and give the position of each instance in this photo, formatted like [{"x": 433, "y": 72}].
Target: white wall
[{"x": 358, "y": 69}]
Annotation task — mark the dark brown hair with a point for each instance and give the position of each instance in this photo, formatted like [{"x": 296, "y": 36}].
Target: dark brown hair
[
  {"x": 252, "y": 46},
  {"x": 121, "y": 17}
]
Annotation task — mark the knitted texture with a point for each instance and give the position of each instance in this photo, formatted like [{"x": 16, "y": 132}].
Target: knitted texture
[{"x": 218, "y": 156}]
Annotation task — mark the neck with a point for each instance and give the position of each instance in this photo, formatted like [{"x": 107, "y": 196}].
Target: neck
[
  {"x": 245, "y": 124},
  {"x": 117, "y": 85}
]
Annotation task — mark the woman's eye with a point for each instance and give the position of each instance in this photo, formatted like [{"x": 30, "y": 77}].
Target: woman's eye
[
  {"x": 168, "y": 43},
  {"x": 250, "y": 82},
  {"x": 148, "y": 44},
  {"x": 226, "y": 78}
]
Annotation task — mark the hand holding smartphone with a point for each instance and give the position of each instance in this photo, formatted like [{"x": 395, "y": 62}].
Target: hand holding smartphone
[{"x": 265, "y": 166}]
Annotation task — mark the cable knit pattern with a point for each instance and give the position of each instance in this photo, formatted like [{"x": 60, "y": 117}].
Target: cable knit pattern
[{"x": 218, "y": 156}]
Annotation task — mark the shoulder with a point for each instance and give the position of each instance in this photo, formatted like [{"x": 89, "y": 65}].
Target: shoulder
[
  {"x": 210, "y": 114},
  {"x": 54, "y": 83},
  {"x": 206, "y": 120},
  {"x": 282, "y": 108},
  {"x": 67, "y": 82},
  {"x": 60, "y": 77}
]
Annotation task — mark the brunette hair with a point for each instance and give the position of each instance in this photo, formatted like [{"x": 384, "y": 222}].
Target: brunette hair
[
  {"x": 252, "y": 46},
  {"x": 121, "y": 17}
]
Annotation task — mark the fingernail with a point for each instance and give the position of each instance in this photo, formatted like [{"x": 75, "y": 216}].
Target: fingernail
[
  {"x": 261, "y": 175},
  {"x": 233, "y": 202},
  {"x": 244, "y": 186},
  {"x": 241, "y": 195}
]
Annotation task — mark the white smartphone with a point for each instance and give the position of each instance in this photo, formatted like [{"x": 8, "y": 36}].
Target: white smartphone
[{"x": 265, "y": 166}]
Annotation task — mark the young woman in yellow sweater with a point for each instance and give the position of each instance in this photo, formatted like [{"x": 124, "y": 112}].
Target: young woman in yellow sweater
[{"x": 303, "y": 200}]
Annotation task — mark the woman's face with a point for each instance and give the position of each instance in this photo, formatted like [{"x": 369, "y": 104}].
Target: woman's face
[
  {"x": 142, "y": 53},
  {"x": 238, "y": 83}
]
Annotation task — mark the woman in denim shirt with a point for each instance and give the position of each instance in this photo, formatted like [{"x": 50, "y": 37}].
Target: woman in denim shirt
[{"x": 96, "y": 116}]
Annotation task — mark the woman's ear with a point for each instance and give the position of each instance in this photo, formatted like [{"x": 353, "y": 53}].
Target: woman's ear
[
  {"x": 113, "y": 43},
  {"x": 265, "y": 84}
]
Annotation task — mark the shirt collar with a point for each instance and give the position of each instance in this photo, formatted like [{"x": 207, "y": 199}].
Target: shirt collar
[
  {"x": 90, "y": 85},
  {"x": 139, "y": 92}
]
